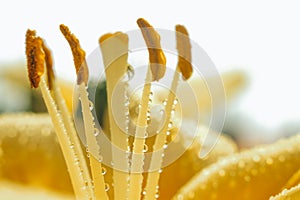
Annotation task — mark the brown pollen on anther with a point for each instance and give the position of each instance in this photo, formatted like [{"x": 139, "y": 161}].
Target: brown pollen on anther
[
  {"x": 35, "y": 58},
  {"x": 184, "y": 52},
  {"x": 49, "y": 65},
  {"x": 78, "y": 55},
  {"x": 156, "y": 55}
]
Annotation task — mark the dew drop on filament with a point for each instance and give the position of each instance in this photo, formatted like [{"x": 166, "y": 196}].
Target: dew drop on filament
[
  {"x": 107, "y": 187},
  {"x": 96, "y": 132},
  {"x": 104, "y": 170},
  {"x": 100, "y": 158},
  {"x": 170, "y": 125},
  {"x": 165, "y": 102},
  {"x": 91, "y": 105},
  {"x": 130, "y": 73},
  {"x": 145, "y": 148}
]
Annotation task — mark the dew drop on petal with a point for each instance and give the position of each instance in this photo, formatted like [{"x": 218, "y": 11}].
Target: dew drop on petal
[
  {"x": 180, "y": 197},
  {"x": 222, "y": 172},
  {"x": 241, "y": 164},
  {"x": 247, "y": 178},
  {"x": 256, "y": 158},
  {"x": 281, "y": 158},
  {"x": 269, "y": 161}
]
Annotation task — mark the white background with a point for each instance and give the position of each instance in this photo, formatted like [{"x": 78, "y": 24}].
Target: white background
[{"x": 260, "y": 37}]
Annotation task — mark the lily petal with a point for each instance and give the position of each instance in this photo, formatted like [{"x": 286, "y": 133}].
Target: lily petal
[{"x": 256, "y": 173}]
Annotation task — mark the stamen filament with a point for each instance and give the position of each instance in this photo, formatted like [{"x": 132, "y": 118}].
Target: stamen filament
[
  {"x": 36, "y": 65},
  {"x": 82, "y": 79},
  {"x": 67, "y": 121},
  {"x": 114, "y": 49},
  {"x": 184, "y": 67}
]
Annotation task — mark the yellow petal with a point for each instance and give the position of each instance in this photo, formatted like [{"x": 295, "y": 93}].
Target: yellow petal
[
  {"x": 13, "y": 191},
  {"x": 30, "y": 153},
  {"x": 293, "y": 181},
  {"x": 257, "y": 173},
  {"x": 177, "y": 174},
  {"x": 291, "y": 194},
  {"x": 29, "y": 145}
]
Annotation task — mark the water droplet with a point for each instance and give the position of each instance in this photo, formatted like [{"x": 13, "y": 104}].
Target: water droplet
[
  {"x": 180, "y": 197},
  {"x": 100, "y": 158},
  {"x": 146, "y": 134},
  {"x": 165, "y": 146},
  {"x": 247, "y": 178},
  {"x": 157, "y": 195},
  {"x": 269, "y": 161},
  {"x": 191, "y": 195},
  {"x": 162, "y": 111},
  {"x": 281, "y": 158},
  {"x": 222, "y": 172},
  {"x": 130, "y": 73},
  {"x": 144, "y": 192},
  {"x": 168, "y": 133},
  {"x": 165, "y": 102},
  {"x": 170, "y": 125},
  {"x": 104, "y": 170},
  {"x": 127, "y": 102},
  {"x": 96, "y": 132},
  {"x": 172, "y": 112},
  {"x": 107, "y": 187},
  {"x": 256, "y": 158},
  {"x": 241, "y": 164},
  {"x": 91, "y": 105},
  {"x": 175, "y": 101},
  {"x": 84, "y": 188},
  {"x": 145, "y": 148},
  {"x": 86, "y": 183},
  {"x": 148, "y": 119},
  {"x": 215, "y": 184}
]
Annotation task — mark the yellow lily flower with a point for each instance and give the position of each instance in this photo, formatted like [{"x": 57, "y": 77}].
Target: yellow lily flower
[{"x": 224, "y": 174}]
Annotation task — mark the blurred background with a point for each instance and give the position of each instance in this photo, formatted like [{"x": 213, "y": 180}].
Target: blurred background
[{"x": 258, "y": 40}]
